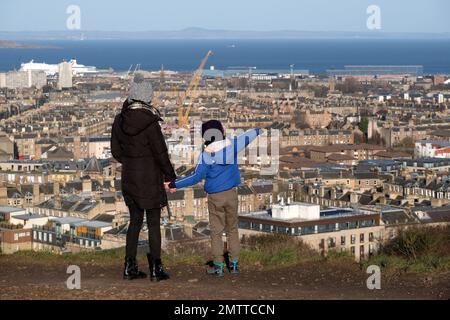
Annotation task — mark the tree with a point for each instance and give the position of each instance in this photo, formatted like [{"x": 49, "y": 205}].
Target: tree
[
  {"x": 364, "y": 125},
  {"x": 350, "y": 85}
]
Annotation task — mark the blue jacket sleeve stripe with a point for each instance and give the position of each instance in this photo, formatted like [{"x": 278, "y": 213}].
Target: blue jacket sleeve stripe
[{"x": 194, "y": 178}]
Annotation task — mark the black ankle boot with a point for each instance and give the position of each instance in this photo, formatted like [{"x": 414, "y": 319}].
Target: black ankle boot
[
  {"x": 131, "y": 270},
  {"x": 157, "y": 272}
]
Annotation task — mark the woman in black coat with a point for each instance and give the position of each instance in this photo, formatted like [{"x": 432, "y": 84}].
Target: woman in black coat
[{"x": 138, "y": 144}]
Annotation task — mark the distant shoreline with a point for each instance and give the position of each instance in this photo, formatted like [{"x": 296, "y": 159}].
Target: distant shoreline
[
  {"x": 212, "y": 34},
  {"x": 8, "y": 44}
]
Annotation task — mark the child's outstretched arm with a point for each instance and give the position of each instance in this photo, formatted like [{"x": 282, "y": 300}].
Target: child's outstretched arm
[
  {"x": 243, "y": 140},
  {"x": 198, "y": 174}
]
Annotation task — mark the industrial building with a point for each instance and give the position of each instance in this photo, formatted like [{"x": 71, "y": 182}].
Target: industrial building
[{"x": 368, "y": 72}]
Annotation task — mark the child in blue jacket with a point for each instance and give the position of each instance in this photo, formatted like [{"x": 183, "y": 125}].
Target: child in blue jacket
[{"x": 218, "y": 166}]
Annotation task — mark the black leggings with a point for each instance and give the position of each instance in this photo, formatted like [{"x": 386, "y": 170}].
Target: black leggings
[{"x": 154, "y": 231}]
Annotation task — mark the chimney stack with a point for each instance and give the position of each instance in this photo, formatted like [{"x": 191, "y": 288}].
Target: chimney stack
[
  {"x": 55, "y": 188},
  {"x": 4, "y": 194},
  {"x": 36, "y": 193},
  {"x": 87, "y": 186},
  {"x": 57, "y": 199}
]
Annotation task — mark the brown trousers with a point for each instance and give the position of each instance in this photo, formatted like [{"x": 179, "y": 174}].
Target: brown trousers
[{"x": 223, "y": 217}]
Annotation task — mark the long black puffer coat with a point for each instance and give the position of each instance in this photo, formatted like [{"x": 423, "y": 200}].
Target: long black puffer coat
[{"x": 138, "y": 143}]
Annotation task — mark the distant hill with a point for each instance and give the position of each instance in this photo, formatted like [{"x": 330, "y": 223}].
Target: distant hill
[
  {"x": 202, "y": 33},
  {"x": 9, "y": 44}
]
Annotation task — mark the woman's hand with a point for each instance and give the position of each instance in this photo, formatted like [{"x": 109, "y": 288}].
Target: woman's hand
[{"x": 169, "y": 186}]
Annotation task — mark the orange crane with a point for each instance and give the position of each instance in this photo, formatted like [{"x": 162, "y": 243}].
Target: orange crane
[{"x": 191, "y": 93}]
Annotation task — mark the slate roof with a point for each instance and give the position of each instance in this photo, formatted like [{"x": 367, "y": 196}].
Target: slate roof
[
  {"x": 13, "y": 192},
  {"x": 176, "y": 196},
  {"x": 395, "y": 217},
  {"x": 366, "y": 175},
  {"x": 263, "y": 188},
  {"x": 104, "y": 217},
  {"x": 199, "y": 193},
  {"x": 244, "y": 190}
]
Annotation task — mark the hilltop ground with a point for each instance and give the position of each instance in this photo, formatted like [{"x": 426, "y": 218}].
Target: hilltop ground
[{"x": 271, "y": 270}]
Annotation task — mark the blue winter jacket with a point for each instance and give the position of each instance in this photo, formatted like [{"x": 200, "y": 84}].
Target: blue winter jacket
[{"x": 218, "y": 164}]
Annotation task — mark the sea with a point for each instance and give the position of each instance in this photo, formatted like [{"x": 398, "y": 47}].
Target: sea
[{"x": 315, "y": 55}]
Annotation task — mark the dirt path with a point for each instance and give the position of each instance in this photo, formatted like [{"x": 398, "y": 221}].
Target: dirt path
[{"x": 39, "y": 280}]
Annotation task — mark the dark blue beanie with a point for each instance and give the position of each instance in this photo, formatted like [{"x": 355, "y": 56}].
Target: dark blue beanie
[{"x": 212, "y": 124}]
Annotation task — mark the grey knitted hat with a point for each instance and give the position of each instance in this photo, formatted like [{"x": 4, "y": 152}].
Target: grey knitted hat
[{"x": 141, "y": 89}]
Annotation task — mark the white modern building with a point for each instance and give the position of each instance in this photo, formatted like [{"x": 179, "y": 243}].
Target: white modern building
[
  {"x": 357, "y": 231},
  {"x": 432, "y": 149},
  {"x": 65, "y": 75},
  {"x": 28, "y": 220}
]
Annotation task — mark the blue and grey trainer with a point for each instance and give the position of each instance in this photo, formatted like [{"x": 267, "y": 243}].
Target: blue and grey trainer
[
  {"x": 210, "y": 268},
  {"x": 234, "y": 267},
  {"x": 218, "y": 269}
]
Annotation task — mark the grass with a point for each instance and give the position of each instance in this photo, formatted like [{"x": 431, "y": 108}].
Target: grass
[
  {"x": 336, "y": 257},
  {"x": 104, "y": 256},
  {"x": 423, "y": 264},
  {"x": 271, "y": 251},
  {"x": 423, "y": 250},
  {"x": 267, "y": 251},
  {"x": 416, "y": 250}
]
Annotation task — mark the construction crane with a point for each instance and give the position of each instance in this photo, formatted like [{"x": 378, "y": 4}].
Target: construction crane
[
  {"x": 138, "y": 67},
  {"x": 128, "y": 72},
  {"x": 191, "y": 93},
  {"x": 292, "y": 76}
]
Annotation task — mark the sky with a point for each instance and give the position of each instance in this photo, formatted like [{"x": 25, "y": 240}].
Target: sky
[{"x": 258, "y": 15}]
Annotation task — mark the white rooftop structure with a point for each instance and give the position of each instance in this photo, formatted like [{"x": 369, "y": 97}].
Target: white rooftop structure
[{"x": 296, "y": 210}]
